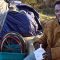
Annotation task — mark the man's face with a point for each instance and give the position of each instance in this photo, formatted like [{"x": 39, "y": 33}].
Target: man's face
[{"x": 57, "y": 11}]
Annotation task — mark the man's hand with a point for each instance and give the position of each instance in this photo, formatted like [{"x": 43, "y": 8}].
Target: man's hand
[
  {"x": 40, "y": 53},
  {"x": 36, "y": 45}
]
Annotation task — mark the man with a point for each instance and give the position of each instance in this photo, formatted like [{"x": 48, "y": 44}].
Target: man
[{"x": 51, "y": 36}]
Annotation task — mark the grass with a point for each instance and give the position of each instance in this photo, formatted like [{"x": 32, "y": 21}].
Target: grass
[
  {"x": 46, "y": 14},
  {"x": 45, "y": 17}
]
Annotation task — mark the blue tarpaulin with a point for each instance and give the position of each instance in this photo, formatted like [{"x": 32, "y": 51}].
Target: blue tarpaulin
[{"x": 21, "y": 23}]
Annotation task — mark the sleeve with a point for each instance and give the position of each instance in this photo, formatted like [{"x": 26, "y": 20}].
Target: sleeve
[{"x": 55, "y": 53}]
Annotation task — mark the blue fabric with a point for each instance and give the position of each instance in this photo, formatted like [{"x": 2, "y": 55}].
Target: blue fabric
[
  {"x": 17, "y": 22},
  {"x": 21, "y": 23},
  {"x": 28, "y": 8}
]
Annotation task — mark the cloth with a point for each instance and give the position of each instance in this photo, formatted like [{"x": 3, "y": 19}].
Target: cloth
[
  {"x": 29, "y": 9},
  {"x": 21, "y": 23},
  {"x": 24, "y": 22}
]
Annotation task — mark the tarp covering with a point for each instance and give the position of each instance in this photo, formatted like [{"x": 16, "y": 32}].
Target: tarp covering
[{"x": 22, "y": 23}]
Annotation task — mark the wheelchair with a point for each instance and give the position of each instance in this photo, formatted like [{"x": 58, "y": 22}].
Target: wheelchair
[{"x": 14, "y": 46}]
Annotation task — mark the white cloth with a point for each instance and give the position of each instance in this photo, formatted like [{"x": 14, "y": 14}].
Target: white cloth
[
  {"x": 36, "y": 55},
  {"x": 39, "y": 53}
]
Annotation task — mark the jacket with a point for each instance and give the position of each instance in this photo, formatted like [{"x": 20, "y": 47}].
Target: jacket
[{"x": 51, "y": 39}]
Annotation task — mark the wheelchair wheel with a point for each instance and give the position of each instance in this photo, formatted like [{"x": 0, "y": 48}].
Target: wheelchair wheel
[{"x": 13, "y": 42}]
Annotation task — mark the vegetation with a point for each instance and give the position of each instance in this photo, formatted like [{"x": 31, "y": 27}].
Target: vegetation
[{"x": 39, "y": 2}]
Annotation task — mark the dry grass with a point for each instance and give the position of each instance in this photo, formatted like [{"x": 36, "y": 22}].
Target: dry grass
[{"x": 45, "y": 18}]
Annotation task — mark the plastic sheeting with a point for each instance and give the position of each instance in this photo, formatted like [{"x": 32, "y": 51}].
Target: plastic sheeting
[{"x": 22, "y": 23}]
